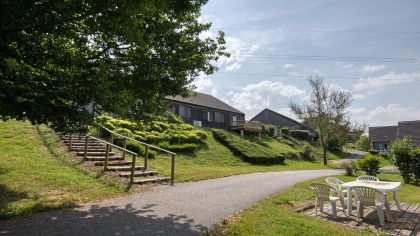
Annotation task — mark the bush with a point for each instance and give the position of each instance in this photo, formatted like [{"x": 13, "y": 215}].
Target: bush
[
  {"x": 416, "y": 163},
  {"x": 300, "y": 134},
  {"x": 269, "y": 130},
  {"x": 373, "y": 152},
  {"x": 363, "y": 142},
  {"x": 350, "y": 167},
  {"x": 285, "y": 131},
  {"x": 186, "y": 147},
  {"x": 406, "y": 158},
  {"x": 247, "y": 150},
  {"x": 369, "y": 164},
  {"x": 135, "y": 147},
  {"x": 291, "y": 155},
  {"x": 306, "y": 154}
]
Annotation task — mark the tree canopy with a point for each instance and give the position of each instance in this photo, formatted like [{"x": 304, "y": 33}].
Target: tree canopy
[
  {"x": 56, "y": 57},
  {"x": 326, "y": 111}
]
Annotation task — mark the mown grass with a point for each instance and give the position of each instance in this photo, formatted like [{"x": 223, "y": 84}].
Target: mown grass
[
  {"x": 36, "y": 175},
  {"x": 274, "y": 215},
  {"x": 212, "y": 160}
]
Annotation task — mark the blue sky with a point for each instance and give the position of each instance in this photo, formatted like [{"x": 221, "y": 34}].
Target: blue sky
[{"x": 273, "y": 44}]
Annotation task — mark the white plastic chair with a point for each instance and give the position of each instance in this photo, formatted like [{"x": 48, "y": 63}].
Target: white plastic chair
[
  {"x": 366, "y": 196},
  {"x": 368, "y": 178},
  {"x": 323, "y": 193}
]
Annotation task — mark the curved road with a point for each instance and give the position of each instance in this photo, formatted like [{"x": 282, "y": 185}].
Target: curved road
[{"x": 183, "y": 209}]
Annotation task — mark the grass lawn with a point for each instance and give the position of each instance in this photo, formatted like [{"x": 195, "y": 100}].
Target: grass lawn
[
  {"x": 273, "y": 216},
  {"x": 214, "y": 160},
  {"x": 35, "y": 177}
]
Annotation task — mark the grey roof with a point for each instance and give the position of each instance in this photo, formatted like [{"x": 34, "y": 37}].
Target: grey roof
[
  {"x": 410, "y": 129},
  {"x": 205, "y": 100},
  {"x": 255, "y": 118},
  {"x": 383, "y": 133}
]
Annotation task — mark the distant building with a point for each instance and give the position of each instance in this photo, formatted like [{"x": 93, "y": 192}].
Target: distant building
[
  {"x": 268, "y": 116},
  {"x": 381, "y": 137},
  {"x": 204, "y": 110}
]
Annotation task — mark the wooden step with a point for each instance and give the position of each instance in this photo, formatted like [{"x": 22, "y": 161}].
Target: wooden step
[
  {"x": 89, "y": 149},
  {"x": 114, "y": 163},
  {"x": 89, "y": 145},
  {"x": 151, "y": 180},
  {"x": 123, "y": 168},
  {"x": 96, "y": 158},
  {"x": 139, "y": 173},
  {"x": 95, "y": 153}
]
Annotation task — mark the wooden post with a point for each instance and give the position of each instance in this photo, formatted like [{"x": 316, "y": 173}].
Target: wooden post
[
  {"x": 146, "y": 156},
  {"x": 106, "y": 157},
  {"x": 125, "y": 146},
  {"x": 70, "y": 141},
  {"x": 86, "y": 148},
  {"x": 111, "y": 140},
  {"x": 173, "y": 169},
  {"x": 133, "y": 167}
]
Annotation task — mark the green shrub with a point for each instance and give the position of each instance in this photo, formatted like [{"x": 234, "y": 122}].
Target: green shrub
[
  {"x": 363, "y": 142},
  {"x": 404, "y": 156},
  {"x": 291, "y": 155},
  {"x": 300, "y": 134},
  {"x": 306, "y": 154},
  {"x": 269, "y": 130},
  {"x": 369, "y": 164},
  {"x": 185, "y": 147},
  {"x": 416, "y": 163},
  {"x": 285, "y": 131},
  {"x": 350, "y": 167},
  {"x": 135, "y": 147},
  {"x": 247, "y": 150},
  {"x": 373, "y": 152}
]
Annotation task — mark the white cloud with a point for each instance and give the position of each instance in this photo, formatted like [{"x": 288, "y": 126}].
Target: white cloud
[
  {"x": 288, "y": 66},
  {"x": 347, "y": 66},
  {"x": 255, "y": 97},
  {"x": 386, "y": 115},
  {"x": 238, "y": 49},
  {"x": 372, "y": 68},
  {"x": 205, "y": 85},
  {"x": 373, "y": 85}
]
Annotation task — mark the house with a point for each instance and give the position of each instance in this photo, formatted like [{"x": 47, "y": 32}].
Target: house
[
  {"x": 204, "y": 110},
  {"x": 268, "y": 116},
  {"x": 381, "y": 137}
]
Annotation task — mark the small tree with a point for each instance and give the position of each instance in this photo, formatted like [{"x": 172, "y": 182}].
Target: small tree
[
  {"x": 403, "y": 157},
  {"x": 285, "y": 131},
  {"x": 326, "y": 110},
  {"x": 369, "y": 164},
  {"x": 363, "y": 142}
]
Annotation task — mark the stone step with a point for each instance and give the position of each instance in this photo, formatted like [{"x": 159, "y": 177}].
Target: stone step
[
  {"x": 96, "y": 158},
  {"x": 123, "y": 168},
  {"x": 151, "y": 180},
  {"x": 139, "y": 173},
  {"x": 114, "y": 163},
  {"x": 101, "y": 154}
]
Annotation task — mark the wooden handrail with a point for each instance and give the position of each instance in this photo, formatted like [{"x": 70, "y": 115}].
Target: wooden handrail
[
  {"x": 113, "y": 145},
  {"x": 135, "y": 140}
]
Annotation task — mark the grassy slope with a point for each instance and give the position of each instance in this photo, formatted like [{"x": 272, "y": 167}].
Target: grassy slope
[
  {"x": 273, "y": 216},
  {"x": 32, "y": 179},
  {"x": 215, "y": 160}
]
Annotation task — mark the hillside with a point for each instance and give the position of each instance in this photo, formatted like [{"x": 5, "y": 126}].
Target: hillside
[{"x": 36, "y": 173}]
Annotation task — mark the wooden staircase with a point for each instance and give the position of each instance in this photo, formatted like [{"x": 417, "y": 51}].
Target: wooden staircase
[{"x": 100, "y": 152}]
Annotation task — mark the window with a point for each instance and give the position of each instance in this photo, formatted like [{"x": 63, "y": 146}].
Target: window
[
  {"x": 184, "y": 111},
  {"x": 234, "y": 118},
  {"x": 219, "y": 117},
  {"x": 209, "y": 116}
]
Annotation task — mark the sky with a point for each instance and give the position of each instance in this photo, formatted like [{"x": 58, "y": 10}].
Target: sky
[{"x": 369, "y": 48}]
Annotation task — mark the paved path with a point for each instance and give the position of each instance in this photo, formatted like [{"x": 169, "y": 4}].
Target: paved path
[
  {"x": 183, "y": 209},
  {"x": 354, "y": 154}
]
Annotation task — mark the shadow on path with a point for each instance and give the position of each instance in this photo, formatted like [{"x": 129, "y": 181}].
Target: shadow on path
[{"x": 109, "y": 220}]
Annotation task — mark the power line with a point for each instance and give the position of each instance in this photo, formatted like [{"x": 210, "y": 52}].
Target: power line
[
  {"x": 328, "y": 58},
  {"x": 306, "y": 76},
  {"x": 322, "y": 31}
]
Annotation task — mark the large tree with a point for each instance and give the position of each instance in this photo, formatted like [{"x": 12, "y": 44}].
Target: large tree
[
  {"x": 56, "y": 57},
  {"x": 326, "y": 110}
]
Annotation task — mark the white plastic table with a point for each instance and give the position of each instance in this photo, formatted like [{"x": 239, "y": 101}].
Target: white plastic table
[{"x": 382, "y": 186}]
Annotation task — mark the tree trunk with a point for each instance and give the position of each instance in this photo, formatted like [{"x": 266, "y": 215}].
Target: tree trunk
[{"x": 325, "y": 154}]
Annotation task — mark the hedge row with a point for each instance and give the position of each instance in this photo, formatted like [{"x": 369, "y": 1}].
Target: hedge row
[{"x": 249, "y": 151}]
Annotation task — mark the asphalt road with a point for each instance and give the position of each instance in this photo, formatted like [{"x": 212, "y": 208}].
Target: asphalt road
[{"x": 182, "y": 209}]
